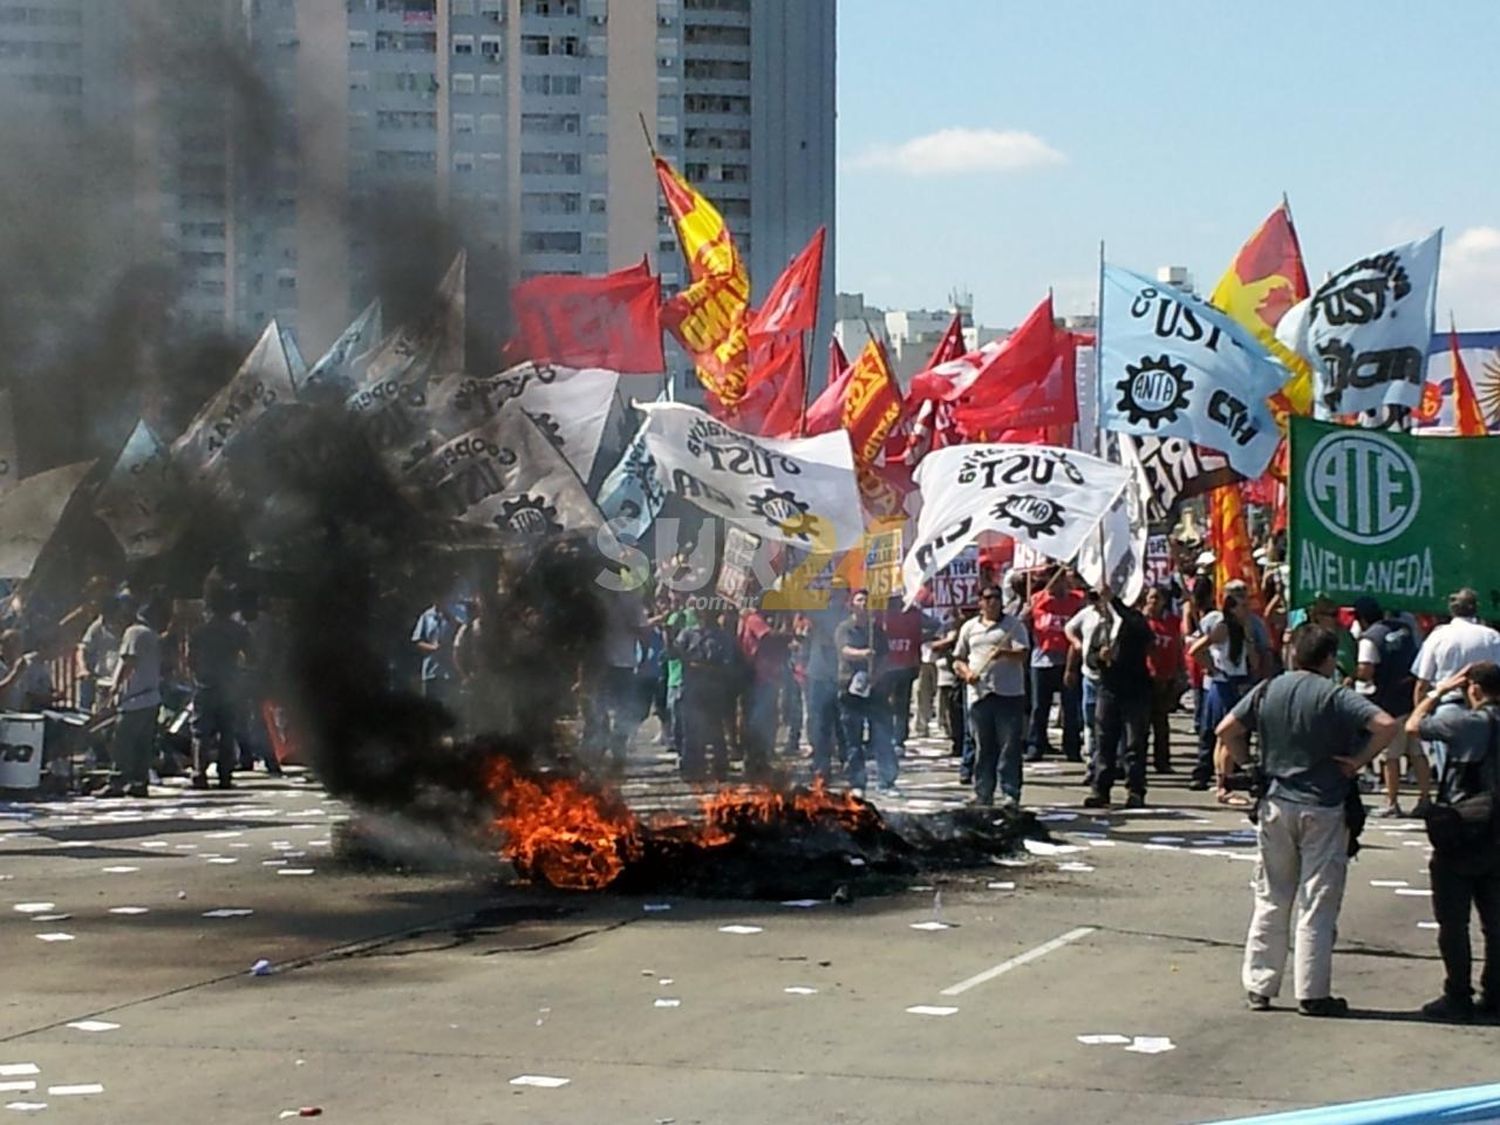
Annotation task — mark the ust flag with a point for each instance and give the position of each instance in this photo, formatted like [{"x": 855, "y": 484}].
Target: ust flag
[
  {"x": 1367, "y": 330},
  {"x": 1044, "y": 497},
  {"x": 708, "y": 317},
  {"x": 1170, "y": 365},
  {"x": 799, "y": 491}
]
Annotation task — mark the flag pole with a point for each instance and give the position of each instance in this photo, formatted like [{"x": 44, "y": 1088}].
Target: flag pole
[
  {"x": 806, "y": 380},
  {"x": 1099, "y": 353},
  {"x": 646, "y": 132}
]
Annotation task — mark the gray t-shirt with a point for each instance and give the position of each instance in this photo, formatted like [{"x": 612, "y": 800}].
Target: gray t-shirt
[
  {"x": 1467, "y": 735},
  {"x": 856, "y": 634},
  {"x": 1303, "y": 722},
  {"x": 980, "y": 644},
  {"x": 143, "y": 689}
]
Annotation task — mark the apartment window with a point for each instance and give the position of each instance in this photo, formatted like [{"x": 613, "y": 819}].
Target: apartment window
[
  {"x": 716, "y": 35},
  {"x": 491, "y": 123},
  {"x": 405, "y": 119},
  {"x": 286, "y": 280},
  {"x": 552, "y": 241},
  {"x": 463, "y": 122},
  {"x": 491, "y": 47},
  {"x": 549, "y": 123},
  {"x": 549, "y": 7},
  {"x": 598, "y": 164},
  {"x": 491, "y": 164},
  {"x": 598, "y": 47},
  {"x": 715, "y": 103},
  {"x": 463, "y": 44},
  {"x": 550, "y": 202},
  {"x": 359, "y": 80},
  {"x": 463, "y": 162},
  {"x": 359, "y": 121},
  {"x": 734, "y": 173},
  {"x": 359, "y": 41},
  {"x": 716, "y": 70},
  {"x": 598, "y": 205},
  {"x": 667, "y": 140},
  {"x": 413, "y": 11},
  {"x": 424, "y": 41},
  {"x": 462, "y": 83},
  {"x": 553, "y": 85},
  {"x": 492, "y": 202},
  {"x": 736, "y": 140},
  {"x": 551, "y": 163},
  {"x": 734, "y": 208},
  {"x": 388, "y": 160},
  {"x": 491, "y": 85},
  {"x": 493, "y": 10},
  {"x": 536, "y": 45},
  {"x": 598, "y": 124},
  {"x": 461, "y": 7},
  {"x": 405, "y": 82},
  {"x": 716, "y": 6}
]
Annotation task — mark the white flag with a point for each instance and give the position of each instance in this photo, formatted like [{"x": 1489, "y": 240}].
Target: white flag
[
  {"x": 142, "y": 500},
  {"x": 263, "y": 381},
  {"x": 1043, "y": 496},
  {"x": 431, "y": 345},
  {"x": 632, "y": 493},
  {"x": 30, "y": 513},
  {"x": 800, "y": 491},
  {"x": 506, "y": 477},
  {"x": 1368, "y": 329},
  {"x": 339, "y": 367},
  {"x": 570, "y": 405},
  {"x": 10, "y": 464},
  {"x": 1116, "y": 554}
]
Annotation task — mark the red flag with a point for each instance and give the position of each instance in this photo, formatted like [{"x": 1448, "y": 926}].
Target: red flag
[
  {"x": 772, "y": 407},
  {"x": 792, "y": 304},
  {"x": 951, "y": 346},
  {"x": 827, "y": 411},
  {"x": 872, "y": 403},
  {"x": 1468, "y": 419},
  {"x": 608, "y": 321}
]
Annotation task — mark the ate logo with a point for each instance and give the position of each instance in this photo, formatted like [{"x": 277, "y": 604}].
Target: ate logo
[
  {"x": 528, "y": 515},
  {"x": 1153, "y": 391},
  {"x": 784, "y": 512},
  {"x": 1363, "y": 487},
  {"x": 1037, "y": 516}
]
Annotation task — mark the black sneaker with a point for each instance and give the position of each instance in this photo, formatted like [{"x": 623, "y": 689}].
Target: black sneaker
[
  {"x": 226, "y": 783},
  {"x": 1135, "y": 801},
  {"x": 966, "y": 779},
  {"x": 1325, "y": 1007},
  {"x": 1096, "y": 801},
  {"x": 112, "y": 791},
  {"x": 1257, "y": 1003},
  {"x": 1449, "y": 1009},
  {"x": 200, "y": 781},
  {"x": 139, "y": 789},
  {"x": 1198, "y": 786}
]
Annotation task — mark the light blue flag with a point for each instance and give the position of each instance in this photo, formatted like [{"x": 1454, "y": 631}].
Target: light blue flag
[
  {"x": 632, "y": 494},
  {"x": 1172, "y": 366}
]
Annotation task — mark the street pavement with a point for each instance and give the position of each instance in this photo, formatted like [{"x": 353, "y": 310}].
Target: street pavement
[{"x": 1098, "y": 982}]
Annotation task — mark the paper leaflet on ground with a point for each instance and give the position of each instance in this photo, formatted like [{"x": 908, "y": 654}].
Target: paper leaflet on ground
[
  {"x": 800, "y": 491},
  {"x": 505, "y": 477},
  {"x": 142, "y": 501},
  {"x": 1046, "y": 497}
]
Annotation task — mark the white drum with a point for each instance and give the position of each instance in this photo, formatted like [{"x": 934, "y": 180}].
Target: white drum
[{"x": 21, "y": 738}]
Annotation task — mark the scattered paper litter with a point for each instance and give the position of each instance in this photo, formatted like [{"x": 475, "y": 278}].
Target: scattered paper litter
[
  {"x": 55, "y": 937},
  {"x": 1043, "y": 847},
  {"x": 223, "y": 859},
  {"x": 1010, "y": 863},
  {"x": 738, "y": 929},
  {"x": 18, "y": 1070},
  {"x": 34, "y": 907},
  {"x": 1101, "y": 843},
  {"x": 22, "y": 1087},
  {"x": 667, "y": 1002},
  {"x": 803, "y": 903},
  {"x": 72, "y": 1091},
  {"x": 1427, "y": 925},
  {"x": 50, "y": 917},
  {"x": 1151, "y": 1045},
  {"x": 229, "y": 912},
  {"x": 542, "y": 1080},
  {"x": 1001, "y": 886},
  {"x": 295, "y": 871},
  {"x": 119, "y": 870},
  {"x": 1167, "y": 839},
  {"x": 25, "y": 1107},
  {"x": 655, "y": 907},
  {"x": 664, "y": 981},
  {"x": 1074, "y": 867},
  {"x": 1103, "y": 1040},
  {"x": 129, "y": 909},
  {"x": 799, "y": 990},
  {"x": 221, "y": 835},
  {"x": 1414, "y": 892},
  {"x": 261, "y": 968},
  {"x": 273, "y": 863},
  {"x": 1389, "y": 883},
  {"x": 930, "y": 1010},
  {"x": 931, "y": 926},
  {"x": 94, "y": 1025}
]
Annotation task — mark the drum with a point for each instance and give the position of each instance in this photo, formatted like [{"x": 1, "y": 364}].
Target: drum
[{"x": 21, "y": 739}]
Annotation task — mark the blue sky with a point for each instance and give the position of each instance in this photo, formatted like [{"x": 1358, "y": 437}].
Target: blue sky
[{"x": 1168, "y": 129}]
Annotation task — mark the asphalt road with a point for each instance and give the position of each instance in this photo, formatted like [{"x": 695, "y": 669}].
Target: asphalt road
[{"x": 425, "y": 998}]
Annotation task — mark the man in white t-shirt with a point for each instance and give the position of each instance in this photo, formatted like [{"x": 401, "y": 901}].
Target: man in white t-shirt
[
  {"x": 1082, "y": 630},
  {"x": 1462, "y": 641},
  {"x": 137, "y": 696}
]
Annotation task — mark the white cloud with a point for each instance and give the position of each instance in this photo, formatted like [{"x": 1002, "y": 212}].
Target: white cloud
[
  {"x": 1469, "y": 279},
  {"x": 958, "y": 150}
]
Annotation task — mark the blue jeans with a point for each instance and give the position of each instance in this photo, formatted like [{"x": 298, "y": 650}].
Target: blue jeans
[
  {"x": 822, "y": 723},
  {"x": 867, "y": 728},
  {"x": 999, "y": 723},
  {"x": 1046, "y": 683}
]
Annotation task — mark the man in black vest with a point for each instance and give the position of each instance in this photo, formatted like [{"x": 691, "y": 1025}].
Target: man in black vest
[
  {"x": 1387, "y": 649},
  {"x": 1465, "y": 870}
]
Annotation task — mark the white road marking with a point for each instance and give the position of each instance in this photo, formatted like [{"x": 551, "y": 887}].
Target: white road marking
[{"x": 1017, "y": 961}]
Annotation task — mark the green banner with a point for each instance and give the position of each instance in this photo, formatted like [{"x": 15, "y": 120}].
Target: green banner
[{"x": 1404, "y": 519}]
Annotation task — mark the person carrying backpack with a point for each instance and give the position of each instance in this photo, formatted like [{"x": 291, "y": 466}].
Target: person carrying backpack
[
  {"x": 1387, "y": 649},
  {"x": 1465, "y": 836}
]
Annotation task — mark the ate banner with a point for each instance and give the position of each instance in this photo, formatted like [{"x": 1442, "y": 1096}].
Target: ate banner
[
  {"x": 1172, "y": 366},
  {"x": 1042, "y": 496},
  {"x": 608, "y": 321},
  {"x": 799, "y": 491},
  {"x": 1367, "y": 329},
  {"x": 1406, "y": 520}
]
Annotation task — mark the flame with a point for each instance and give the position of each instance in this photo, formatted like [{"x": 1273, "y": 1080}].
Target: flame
[
  {"x": 736, "y": 807},
  {"x": 556, "y": 828}
]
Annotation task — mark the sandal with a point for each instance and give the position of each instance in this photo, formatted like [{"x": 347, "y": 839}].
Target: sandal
[{"x": 1233, "y": 800}]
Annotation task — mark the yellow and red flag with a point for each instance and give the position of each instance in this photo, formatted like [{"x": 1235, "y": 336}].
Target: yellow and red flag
[
  {"x": 1234, "y": 554},
  {"x": 1266, "y": 279},
  {"x": 872, "y": 403},
  {"x": 708, "y": 316},
  {"x": 1468, "y": 419}
]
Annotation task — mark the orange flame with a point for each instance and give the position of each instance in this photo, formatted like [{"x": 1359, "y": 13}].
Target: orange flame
[{"x": 554, "y": 827}]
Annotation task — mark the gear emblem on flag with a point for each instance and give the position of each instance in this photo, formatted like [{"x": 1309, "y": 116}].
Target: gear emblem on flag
[
  {"x": 1038, "y": 516},
  {"x": 528, "y": 515},
  {"x": 783, "y": 511},
  {"x": 1154, "y": 391}
]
